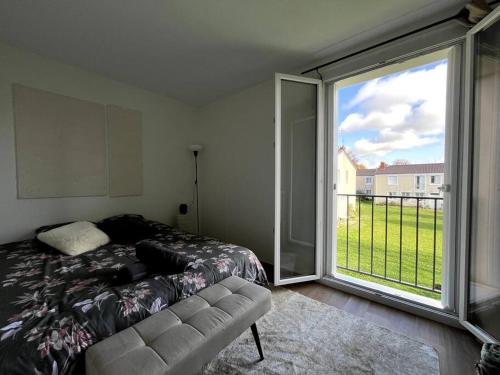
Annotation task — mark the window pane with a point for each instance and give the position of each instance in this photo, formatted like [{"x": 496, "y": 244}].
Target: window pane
[
  {"x": 298, "y": 179},
  {"x": 484, "y": 291},
  {"x": 392, "y": 180}
]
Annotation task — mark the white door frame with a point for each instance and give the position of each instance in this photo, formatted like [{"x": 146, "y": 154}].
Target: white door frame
[
  {"x": 319, "y": 179},
  {"x": 467, "y": 163},
  {"x": 448, "y": 300}
]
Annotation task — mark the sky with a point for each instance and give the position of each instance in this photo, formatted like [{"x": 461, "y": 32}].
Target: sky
[{"x": 400, "y": 116}]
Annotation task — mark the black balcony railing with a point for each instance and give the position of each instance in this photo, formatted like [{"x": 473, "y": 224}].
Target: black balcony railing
[{"x": 398, "y": 205}]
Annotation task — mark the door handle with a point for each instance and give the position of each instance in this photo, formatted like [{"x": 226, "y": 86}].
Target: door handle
[{"x": 445, "y": 188}]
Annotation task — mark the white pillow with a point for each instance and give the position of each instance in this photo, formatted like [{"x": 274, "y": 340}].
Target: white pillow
[{"x": 75, "y": 238}]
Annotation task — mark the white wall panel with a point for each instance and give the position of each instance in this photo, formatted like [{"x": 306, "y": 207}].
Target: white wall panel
[
  {"x": 124, "y": 151},
  {"x": 60, "y": 145}
]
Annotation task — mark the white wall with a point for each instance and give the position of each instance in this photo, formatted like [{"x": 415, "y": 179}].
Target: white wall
[
  {"x": 167, "y": 130},
  {"x": 237, "y": 169}
]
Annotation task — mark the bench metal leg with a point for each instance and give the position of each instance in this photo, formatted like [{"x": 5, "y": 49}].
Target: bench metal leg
[{"x": 257, "y": 340}]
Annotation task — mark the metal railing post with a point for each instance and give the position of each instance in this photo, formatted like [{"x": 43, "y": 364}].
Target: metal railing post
[
  {"x": 386, "y": 219},
  {"x": 347, "y": 236},
  {"x": 416, "y": 243},
  {"x": 371, "y": 260},
  {"x": 434, "y": 248},
  {"x": 359, "y": 233},
  {"x": 400, "y": 239}
]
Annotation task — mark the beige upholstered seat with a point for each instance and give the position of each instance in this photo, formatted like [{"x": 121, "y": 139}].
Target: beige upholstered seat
[{"x": 184, "y": 337}]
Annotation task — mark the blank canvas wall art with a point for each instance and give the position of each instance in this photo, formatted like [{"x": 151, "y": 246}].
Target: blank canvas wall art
[
  {"x": 60, "y": 145},
  {"x": 124, "y": 151}
]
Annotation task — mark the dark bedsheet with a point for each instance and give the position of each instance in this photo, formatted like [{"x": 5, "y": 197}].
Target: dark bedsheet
[{"x": 53, "y": 307}]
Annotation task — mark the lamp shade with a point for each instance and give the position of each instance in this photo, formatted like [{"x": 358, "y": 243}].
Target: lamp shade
[{"x": 195, "y": 147}]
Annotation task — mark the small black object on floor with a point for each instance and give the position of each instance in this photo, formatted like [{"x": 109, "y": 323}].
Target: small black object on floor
[{"x": 490, "y": 360}]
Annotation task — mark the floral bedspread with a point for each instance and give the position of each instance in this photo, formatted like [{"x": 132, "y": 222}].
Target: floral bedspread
[{"x": 55, "y": 306}]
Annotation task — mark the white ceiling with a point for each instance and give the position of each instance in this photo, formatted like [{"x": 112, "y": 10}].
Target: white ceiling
[{"x": 201, "y": 50}]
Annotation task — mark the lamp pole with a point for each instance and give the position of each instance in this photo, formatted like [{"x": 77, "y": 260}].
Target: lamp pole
[
  {"x": 196, "y": 149},
  {"x": 196, "y": 189}
]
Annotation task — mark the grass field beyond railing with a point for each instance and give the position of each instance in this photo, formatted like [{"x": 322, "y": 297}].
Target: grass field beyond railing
[{"x": 398, "y": 257}]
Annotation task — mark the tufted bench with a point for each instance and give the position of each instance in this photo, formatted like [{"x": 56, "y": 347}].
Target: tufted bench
[{"x": 184, "y": 337}]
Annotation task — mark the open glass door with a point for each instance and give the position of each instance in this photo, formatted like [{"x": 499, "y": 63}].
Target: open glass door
[
  {"x": 393, "y": 134},
  {"x": 299, "y": 192},
  {"x": 480, "y": 297}
]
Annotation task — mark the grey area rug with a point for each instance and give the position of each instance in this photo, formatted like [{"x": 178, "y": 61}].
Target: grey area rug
[{"x": 303, "y": 336}]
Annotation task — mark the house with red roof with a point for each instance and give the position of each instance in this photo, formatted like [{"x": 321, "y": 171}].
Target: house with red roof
[{"x": 407, "y": 180}]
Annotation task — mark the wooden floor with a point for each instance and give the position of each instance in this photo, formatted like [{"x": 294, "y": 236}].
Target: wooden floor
[{"x": 458, "y": 350}]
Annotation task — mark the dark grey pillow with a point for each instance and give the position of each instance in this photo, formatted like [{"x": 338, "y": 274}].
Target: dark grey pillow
[{"x": 126, "y": 228}]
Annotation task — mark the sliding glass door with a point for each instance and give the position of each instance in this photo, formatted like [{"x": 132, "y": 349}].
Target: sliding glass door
[
  {"x": 299, "y": 160},
  {"x": 481, "y": 297}
]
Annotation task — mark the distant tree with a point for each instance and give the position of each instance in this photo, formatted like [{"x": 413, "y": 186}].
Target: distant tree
[
  {"x": 353, "y": 157},
  {"x": 401, "y": 162}
]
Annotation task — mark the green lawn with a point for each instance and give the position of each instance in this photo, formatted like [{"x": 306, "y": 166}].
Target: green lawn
[{"x": 408, "y": 253}]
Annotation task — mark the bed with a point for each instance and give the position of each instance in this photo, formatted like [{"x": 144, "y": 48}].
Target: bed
[{"x": 55, "y": 306}]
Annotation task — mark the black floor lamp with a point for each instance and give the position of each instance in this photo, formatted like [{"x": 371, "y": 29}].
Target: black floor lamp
[{"x": 196, "y": 149}]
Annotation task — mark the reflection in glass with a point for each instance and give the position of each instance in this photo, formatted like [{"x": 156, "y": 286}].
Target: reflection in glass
[
  {"x": 298, "y": 179},
  {"x": 484, "y": 291}
]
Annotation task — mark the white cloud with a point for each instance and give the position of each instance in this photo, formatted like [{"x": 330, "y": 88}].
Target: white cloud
[
  {"x": 391, "y": 141},
  {"x": 392, "y": 117},
  {"x": 406, "y": 111}
]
